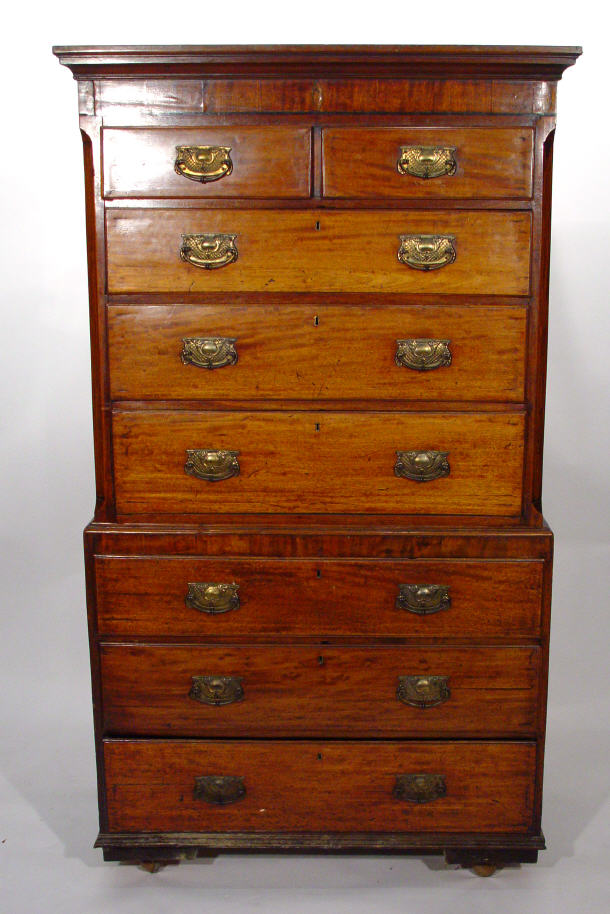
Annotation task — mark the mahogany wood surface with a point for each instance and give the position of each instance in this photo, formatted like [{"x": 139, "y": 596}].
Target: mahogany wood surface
[
  {"x": 359, "y": 162},
  {"x": 130, "y": 102},
  {"x": 288, "y": 351},
  {"x": 317, "y": 250},
  {"x": 318, "y": 691},
  {"x": 317, "y": 530},
  {"x": 319, "y": 786},
  {"x": 314, "y": 461},
  {"x": 145, "y": 595},
  {"x": 267, "y": 161}
]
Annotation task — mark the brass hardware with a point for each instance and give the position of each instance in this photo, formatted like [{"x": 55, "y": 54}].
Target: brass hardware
[
  {"x": 423, "y": 599},
  {"x": 419, "y": 788},
  {"x": 211, "y": 465},
  {"x": 421, "y": 466},
  {"x": 213, "y": 599},
  {"x": 427, "y": 252},
  {"x": 216, "y": 690},
  {"x": 427, "y": 161},
  {"x": 423, "y": 691},
  {"x": 220, "y": 790},
  {"x": 422, "y": 355},
  {"x": 209, "y": 351},
  {"x": 203, "y": 163},
  {"x": 209, "y": 252}
]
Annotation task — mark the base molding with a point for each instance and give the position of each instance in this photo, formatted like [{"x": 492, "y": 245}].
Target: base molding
[{"x": 460, "y": 849}]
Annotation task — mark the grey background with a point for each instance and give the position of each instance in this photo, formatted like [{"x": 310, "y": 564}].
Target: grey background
[{"x": 48, "y": 814}]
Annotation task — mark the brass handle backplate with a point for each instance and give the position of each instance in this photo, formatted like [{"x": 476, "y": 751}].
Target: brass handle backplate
[
  {"x": 427, "y": 161},
  {"x": 209, "y": 252},
  {"x": 216, "y": 690},
  {"x": 427, "y": 252},
  {"x": 211, "y": 465},
  {"x": 220, "y": 790},
  {"x": 208, "y": 351},
  {"x": 419, "y": 788},
  {"x": 422, "y": 355},
  {"x": 203, "y": 163},
  {"x": 213, "y": 599},
  {"x": 423, "y": 691},
  {"x": 423, "y": 599},
  {"x": 421, "y": 466}
]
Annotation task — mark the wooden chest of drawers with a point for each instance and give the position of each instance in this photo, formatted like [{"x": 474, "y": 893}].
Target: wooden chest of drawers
[{"x": 318, "y": 573}]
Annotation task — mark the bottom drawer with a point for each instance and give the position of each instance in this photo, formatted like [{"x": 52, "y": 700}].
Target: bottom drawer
[{"x": 272, "y": 786}]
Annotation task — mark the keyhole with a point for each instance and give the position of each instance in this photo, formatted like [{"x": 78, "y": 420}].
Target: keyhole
[
  {"x": 320, "y": 661},
  {"x": 318, "y": 573},
  {"x": 317, "y": 226},
  {"x": 316, "y": 320},
  {"x": 317, "y": 426}
]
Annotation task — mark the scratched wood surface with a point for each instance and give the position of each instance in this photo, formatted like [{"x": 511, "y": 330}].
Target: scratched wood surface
[{"x": 319, "y": 786}]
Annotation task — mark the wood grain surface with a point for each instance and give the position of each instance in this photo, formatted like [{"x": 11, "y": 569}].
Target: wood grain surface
[
  {"x": 145, "y": 595},
  {"x": 361, "y": 162},
  {"x": 318, "y": 461},
  {"x": 319, "y": 786},
  {"x": 318, "y": 691},
  {"x": 316, "y": 250},
  {"x": 290, "y": 351},
  {"x": 269, "y": 161}
]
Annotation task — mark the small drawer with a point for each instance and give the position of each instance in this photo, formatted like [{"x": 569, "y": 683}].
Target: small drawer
[
  {"x": 207, "y": 162},
  {"x": 418, "y": 162},
  {"x": 288, "y": 351},
  {"x": 279, "y": 786},
  {"x": 223, "y": 597},
  {"x": 205, "y": 690},
  {"x": 192, "y": 462},
  {"x": 230, "y": 250}
]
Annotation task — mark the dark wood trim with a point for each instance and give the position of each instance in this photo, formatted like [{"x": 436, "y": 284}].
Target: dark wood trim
[
  {"x": 441, "y": 61},
  {"x": 361, "y": 841}
]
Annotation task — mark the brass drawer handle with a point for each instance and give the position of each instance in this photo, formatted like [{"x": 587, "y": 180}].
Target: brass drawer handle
[
  {"x": 427, "y": 161},
  {"x": 208, "y": 351},
  {"x": 422, "y": 355},
  {"x": 209, "y": 252},
  {"x": 427, "y": 252},
  {"x": 211, "y": 465},
  {"x": 213, "y": 599},
  {"x": 219, "y": 790},
  {"x": 423, "y": 691},
  {"x": 422, "y": 466},
  {"x": 423, "y": 599},
  {"x": 203, "y": 163},
  {"x": 419, "y": 788},
  {"x": 216, "y": 690}
]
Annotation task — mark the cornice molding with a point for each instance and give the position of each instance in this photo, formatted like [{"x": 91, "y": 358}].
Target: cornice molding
[{"x": 323, "y": 61}]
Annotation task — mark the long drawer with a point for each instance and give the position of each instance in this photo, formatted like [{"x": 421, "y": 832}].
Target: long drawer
[
  {"x": 223, "y": 597},
  {"x": 234, "y": 162},
  {"x": 317, "y": 462},
  {"x": 190, "y": 690},
  {"x": 289, "y": 351},
  {"x": 454, "y": 162},
  {"x": 282, "y": 251},
  {"x": 215, "y": 786}
]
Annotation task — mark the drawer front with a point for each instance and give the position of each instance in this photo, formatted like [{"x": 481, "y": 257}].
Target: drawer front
[
  {"x": 212, "y": 162},
  {"x": 310, "y": 787},
  {"x": 285, "y": 351},
  {"x": 156, "y": 690},
  {"x": 317, "y": 461},
  {"x": 214, "y": 598},
  {"x": 317, "y": 251},
  {"x": 427, "y": 162}
]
